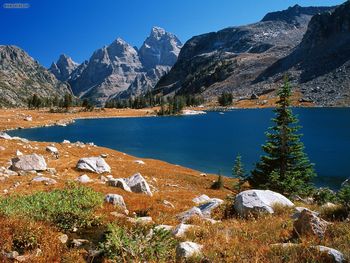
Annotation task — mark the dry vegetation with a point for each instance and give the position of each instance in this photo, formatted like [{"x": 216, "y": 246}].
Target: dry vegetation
[{"x": 232, "y": 240}]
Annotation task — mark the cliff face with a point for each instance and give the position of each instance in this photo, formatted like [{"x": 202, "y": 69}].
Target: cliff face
[
  {"x": 320, "y": 64},
  {"x": 21, "y": 77},
  {"x": 63, "y": 68}
]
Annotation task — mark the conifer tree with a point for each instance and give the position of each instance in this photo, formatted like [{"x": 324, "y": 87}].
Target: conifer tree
[{"x": 285, "y": 168}]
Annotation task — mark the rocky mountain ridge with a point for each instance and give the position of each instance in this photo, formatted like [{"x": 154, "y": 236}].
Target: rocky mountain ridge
[
  {"x": 63, "y": 68},
  {"x": 121, "y": 71},
  {"x": 21, "y": 77},
  {"x": 232, "y": 59}
]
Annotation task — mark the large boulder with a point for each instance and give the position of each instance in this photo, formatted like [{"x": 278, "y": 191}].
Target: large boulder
[
  {"x": 259, "y": 201},
  {"x": 138, "y": 184},
  {"x": 32, "y": 162},
  {"x": 93, "y": 164},
  {"x": 116, "y": 200},
  {"x": 308, "y": 223},
  {"x": 187, "y": 249}
]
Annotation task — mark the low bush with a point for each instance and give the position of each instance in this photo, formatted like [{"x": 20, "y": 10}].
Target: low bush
[
  {"x": 324, "y": 195},
  {"x": 138, "y": 244},
  {"x": 67, "y": 208}
]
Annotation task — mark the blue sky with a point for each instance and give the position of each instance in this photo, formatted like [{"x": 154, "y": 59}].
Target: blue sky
[{"x": 78, "y": 27}]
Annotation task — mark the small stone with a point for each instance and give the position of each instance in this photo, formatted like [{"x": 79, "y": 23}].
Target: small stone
[
  {"x": 79, "y": 242},
  {"x": 167, "y": 203},
  {"x": 83, "y": 179},
  {"x": 139, "y": 162},
  {"x": 51, "y": 171},
  {"x": 116, "y": 200},
  {"x": 66, "y": 142},
  {"x": 181, "y": 229},
  {"x": 46, "y": 180},
  {"x": 201, "y": 199},
  {"x": 63, "y": 238},
  {"x": 19, "y": 153}
]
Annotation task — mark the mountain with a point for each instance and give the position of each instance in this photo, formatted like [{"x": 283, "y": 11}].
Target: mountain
[
  {"x": 320, "y": 64},
  {"x": 21, "y": 76},
  {"x": 119, "y": 70},
  {"x": 63, "y": 68},
  {"x": 231, "y": 59}
]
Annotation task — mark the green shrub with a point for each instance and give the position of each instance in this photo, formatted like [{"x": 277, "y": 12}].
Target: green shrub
[
  {"x": 219, "y": 184},
  {"x": 324, "y": 195},
  {"x": 138, "y": 244},
  {"x": 67, "y": 208},
  {"x": 344, "y": 196}
]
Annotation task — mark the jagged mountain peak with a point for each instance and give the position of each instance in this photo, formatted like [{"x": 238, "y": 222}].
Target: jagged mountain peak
[
  {"x": 63, "y": 68},
  {"x": 159, "y": 48}
]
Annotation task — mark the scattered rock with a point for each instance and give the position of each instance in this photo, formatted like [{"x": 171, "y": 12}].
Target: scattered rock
[
  {"x": 83, "y": 179},
  {"x": 194, "y": 211},
  {"x": 28, "y": 118},
  {"x": 52, "y": 149},
  {"x": 309, "y": 224},
  {"x": 254, "y": 97},
  {"x": 181, "y": 229},
  {"x": 138, "y": 184},
  {"x": 66, "y": 142},
  {"x": 79, "y": 242},
  {"x": 164, "y": 227},
  {"x": 6, "y": 172},
  {"x": 335, "y": 255},
  {"x": 167, "y": 203},
  {"x": 19, "y": 153},
  {"x": 201, "y": 199},
  {"x": 119, "y": 182},
  {"x": 11, "y": 255},
  {"x": 4, "y": 135},
  {"x": 32, "y": 162},
  {"x": 187, "y": 249},
  {"x": 104, "y": 155},
  {"x": 144, "y": 220},
  {"x": 46, "y": 180},
  {"x": 298, "y": 211},
  {"x": 2, "y": 148},
  {"x": 93, "y": 164},
  {"x": 259, "y": 201},
  {"x": 51, "y": 171},
  {"x": 63, "y": 238},
  {"x": 116, "y": 200},
  {"x": 139, "y": 162},
  {"x": 207, "y": 207}
]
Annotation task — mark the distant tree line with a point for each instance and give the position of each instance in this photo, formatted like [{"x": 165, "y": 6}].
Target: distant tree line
[
  {"x": 68, "y": 101},
  {"x": 225, "y": 99},
  {"x": 168, "y": 106}
]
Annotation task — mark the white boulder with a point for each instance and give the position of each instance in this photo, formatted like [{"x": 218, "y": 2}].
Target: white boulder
[
  {"x": 31, "y": 162},
  {"x": 93, "y": 164},
  {"x": 187, "y": 249},
  {"x": 259, "y": 201},
  {"x": 52, "y": 149},
  {"x": 44, "y": 179},
  {"x": 116, "y": 200},
  {"x": 138, "y": 184},
  {"x": 181, "y": 229}
]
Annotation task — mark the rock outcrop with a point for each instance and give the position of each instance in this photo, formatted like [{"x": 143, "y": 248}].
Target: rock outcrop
[
  {"x": 21, "y": 77},
  {"x": 252, "y": 202},
  {"x": 309, "y": 224}
]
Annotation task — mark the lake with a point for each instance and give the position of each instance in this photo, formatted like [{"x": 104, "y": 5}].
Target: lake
[{"x": 210, "y": 142}]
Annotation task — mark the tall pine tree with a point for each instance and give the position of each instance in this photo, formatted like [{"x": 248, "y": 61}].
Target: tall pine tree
[{"x": 285, "y": 168}]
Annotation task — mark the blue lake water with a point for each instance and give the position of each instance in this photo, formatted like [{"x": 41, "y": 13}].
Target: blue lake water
[{"x": 210, "y": 142}]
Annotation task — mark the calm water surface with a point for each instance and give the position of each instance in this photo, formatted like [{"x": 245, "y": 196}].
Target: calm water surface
[{"x": 210, "y": 142}]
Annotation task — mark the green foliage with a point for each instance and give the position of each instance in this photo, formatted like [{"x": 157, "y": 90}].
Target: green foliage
[
  {"x": 344, "y": 196},
  {"x": 219, "y": 184},
  {"x": 225, "y": 99},
  {"x": 324, "y": 195},
  {"x": 67, "y": 208},
  {"x": 35, "y": 102},
  {"x": 285, "y": 168},
  {"x": 67, "y": 101},
  {"x": 238, "y": 172},
  {"x": 138, "y": 244}
]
